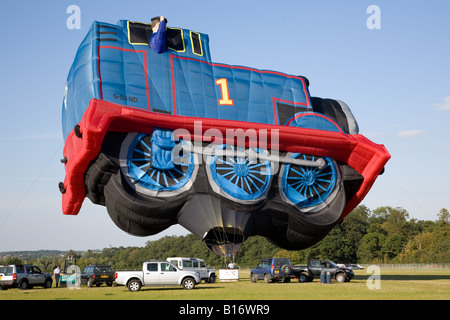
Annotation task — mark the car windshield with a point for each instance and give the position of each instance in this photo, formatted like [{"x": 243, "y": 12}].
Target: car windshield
[
  {"x": 281, "y": 262},
  {"x": 7, "y": 271},
  {"x": 103, "y": 269},
  {"x": 334, "y": 265},
  {"x": 263, "y": 264}
]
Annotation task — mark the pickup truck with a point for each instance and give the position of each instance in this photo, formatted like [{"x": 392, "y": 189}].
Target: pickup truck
[
  {"x": 157, "y": 273},
  {"x": 315, "y": 267},
  {"x": 194, "y": 264},
  {"x": 23, "y": 276},
  {"x": 272, "y": 269}
]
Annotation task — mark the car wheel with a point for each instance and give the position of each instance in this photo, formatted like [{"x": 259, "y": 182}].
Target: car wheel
[
  {"x": 48, "y": 283},
  {"x": 286, "y": 270},
  {"x": 285, "y": 279},
  {"x": 303, "y": 278},
  {"x": 134, "y": 285},
  {"x": 188, "y": 283},
  {"x": 23, "y": 285},
  {"x": 267, "y": 278},
  {"x": 253, "y": 278},
  {"x": 340, "y": 277},
  {"x": 212, "y": 278},
  {"x": 90, "y": 283}
]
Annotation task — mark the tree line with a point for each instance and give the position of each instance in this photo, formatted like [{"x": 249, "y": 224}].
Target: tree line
[{"x": 384, "y": 235}]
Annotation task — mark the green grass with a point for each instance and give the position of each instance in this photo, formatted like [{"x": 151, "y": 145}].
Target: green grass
[{"x": 395, "y": 285}]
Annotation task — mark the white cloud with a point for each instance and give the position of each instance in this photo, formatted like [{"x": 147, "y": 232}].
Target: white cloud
[
  {"x": 410, "y": 134},
  {"x": 444, "y": 105}
]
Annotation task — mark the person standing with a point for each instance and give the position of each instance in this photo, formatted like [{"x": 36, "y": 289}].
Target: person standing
[{"x": 56, "y": 274}]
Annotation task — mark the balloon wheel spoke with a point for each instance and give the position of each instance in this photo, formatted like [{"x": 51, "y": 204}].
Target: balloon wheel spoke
[
  {"x": 246, "y": 176},
  {"x": 140, "y": 163},
  {"x": 310, "y": 185}
]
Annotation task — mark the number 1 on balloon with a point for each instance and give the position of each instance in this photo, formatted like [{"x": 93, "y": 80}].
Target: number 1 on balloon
[{"x": 225, "y": 101}]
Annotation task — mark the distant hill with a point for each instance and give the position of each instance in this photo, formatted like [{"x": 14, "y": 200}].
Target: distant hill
[{"x": 30, "y": 255}]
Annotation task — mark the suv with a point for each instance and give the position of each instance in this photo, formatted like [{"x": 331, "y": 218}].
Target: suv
[
  {"x": 194, "y": 264},
  {"x": 23, "y": 276},
  {"x": 97, "y": 274},
  {"x": 273, "y": 269}
]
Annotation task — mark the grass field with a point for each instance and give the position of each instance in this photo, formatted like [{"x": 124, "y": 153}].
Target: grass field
[{"x": 395, "y": 285}]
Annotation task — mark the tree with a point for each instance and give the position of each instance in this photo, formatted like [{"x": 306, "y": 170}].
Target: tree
[
  {"x": 393, "y": 245},
  {"x": 352, "y": 230},
  {"x": 441, "y": 242},
  {"x": 384, "y": 235},
  {"x": 431, "y": 244},
  {"x": 293, "y": 256},
  {"x": 379, "y": 215},
  {"x": 337, "y": 247},
  {"x": 254, "y": 249},
  {"x": 370, "y": 247},
  {"x": 396, "y": 221},
  {"x": 443, "y": 216},
  {"x": 12, "y": 260}
]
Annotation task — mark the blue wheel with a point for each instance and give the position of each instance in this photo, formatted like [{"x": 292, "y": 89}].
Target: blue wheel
[
  {"x": 148, "y": 162},
  {"x": 239, "y": 178},
  {"x": 309, "y": 187}
]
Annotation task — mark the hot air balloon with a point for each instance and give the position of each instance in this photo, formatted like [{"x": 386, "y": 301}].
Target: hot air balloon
[{"x": 164, "y": 137}]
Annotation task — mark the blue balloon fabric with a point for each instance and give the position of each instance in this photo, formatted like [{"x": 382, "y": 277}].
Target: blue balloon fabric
[{"x": 147, "y": 118}]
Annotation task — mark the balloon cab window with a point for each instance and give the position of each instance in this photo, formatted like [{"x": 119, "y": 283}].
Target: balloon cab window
[{"x": 139, "y": 34}]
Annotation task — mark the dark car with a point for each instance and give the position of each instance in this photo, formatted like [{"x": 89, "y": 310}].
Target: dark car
[
  {"x": 97, "y": 274},
  {"x": 315, "y": 267},
  {"x": 272, "y": 269}
]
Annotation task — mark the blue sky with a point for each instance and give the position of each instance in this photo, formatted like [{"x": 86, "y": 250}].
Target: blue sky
[{"x": 396, "y": 80}]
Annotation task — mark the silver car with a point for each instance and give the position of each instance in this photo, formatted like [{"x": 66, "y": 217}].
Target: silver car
[{"x": 23, "y": 277}]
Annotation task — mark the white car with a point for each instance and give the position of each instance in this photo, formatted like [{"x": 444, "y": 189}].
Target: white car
[
  {"x": 157, "y": 273},
  {"x": 194, "y": 264},
  {"x": 354, "y": 266}
]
